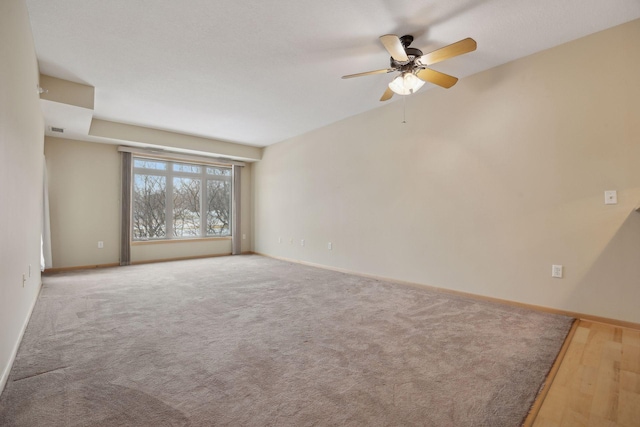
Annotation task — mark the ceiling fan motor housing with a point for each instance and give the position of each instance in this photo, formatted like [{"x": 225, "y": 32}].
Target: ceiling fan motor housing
[
  {"x": 406, "y": 40},
  {"x": 412, "y": 54}
]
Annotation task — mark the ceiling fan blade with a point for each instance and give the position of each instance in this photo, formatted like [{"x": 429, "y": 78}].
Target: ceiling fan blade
[
  {"x": 455, "y": 49},
  {"x": 437, "y": 78},
  {"x": 394, "y": 46},
  {"x": 367, "y": 73},
  {"x": 387, "y": 94}
]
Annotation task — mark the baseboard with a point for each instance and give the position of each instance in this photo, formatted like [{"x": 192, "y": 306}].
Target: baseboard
[
  {"x": 7, "y": 369},
  {"x": 577, "y": 315},
  {"x": 79, "y": 267},
  {"x": 186, "y": 258},
  {"x": 151, "y": 261}
]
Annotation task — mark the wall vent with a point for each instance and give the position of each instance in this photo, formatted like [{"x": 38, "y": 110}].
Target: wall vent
[{"x": 54, "y": 129}]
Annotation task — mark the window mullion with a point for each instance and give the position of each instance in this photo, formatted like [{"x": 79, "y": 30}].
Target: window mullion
[
  {"x": 169, "y": 202},
  {"x": 203, "y": 204}
]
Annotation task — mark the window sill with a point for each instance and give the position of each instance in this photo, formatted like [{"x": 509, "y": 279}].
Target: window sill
[{"x": 194, "y": 240}]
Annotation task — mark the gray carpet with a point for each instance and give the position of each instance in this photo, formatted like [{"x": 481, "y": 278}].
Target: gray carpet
[{"x": 252, "y": 341}]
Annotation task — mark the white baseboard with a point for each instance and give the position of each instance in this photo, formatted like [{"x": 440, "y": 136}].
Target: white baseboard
[{"x": 7, "y": 369}]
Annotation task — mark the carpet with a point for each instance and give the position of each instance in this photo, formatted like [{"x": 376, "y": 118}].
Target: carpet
[{"x": 253, "y": 341}]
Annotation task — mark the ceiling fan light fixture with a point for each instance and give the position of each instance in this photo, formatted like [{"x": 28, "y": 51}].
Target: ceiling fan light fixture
[{"x": 406, "y": 84}]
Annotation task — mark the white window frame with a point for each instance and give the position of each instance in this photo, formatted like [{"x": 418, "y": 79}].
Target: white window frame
[{"x": 169, "y": 174}]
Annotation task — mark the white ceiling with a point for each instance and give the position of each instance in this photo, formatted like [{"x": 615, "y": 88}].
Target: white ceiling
[{"x": 260, "y": 72}]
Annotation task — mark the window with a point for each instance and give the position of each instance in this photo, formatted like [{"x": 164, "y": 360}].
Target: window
[{"x": 178, "y": 200}]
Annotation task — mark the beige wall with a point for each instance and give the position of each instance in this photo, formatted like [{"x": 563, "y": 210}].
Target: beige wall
[
  {"x": 176, "y": 250},
  {"x": 84, "y": 197},
  {"x": 173, "y": 141},
  {"x": 486, "y": 186},
  {"x": 84, "y": 202},
  {"x": 21, "y": 166}
]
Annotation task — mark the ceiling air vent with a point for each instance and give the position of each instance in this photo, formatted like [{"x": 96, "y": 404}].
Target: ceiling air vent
[{"x": 59, "y": 130}]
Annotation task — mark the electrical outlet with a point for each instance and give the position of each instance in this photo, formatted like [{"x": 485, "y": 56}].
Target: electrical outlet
[
  {"x": 244, "y": 236},
  {"x": 329, "y": 246},
  {"x": 556, "y": 271},
  {"x": 302, "y": 242},
  {"x": 279, "y": 239},
  {"x": 611, "y": 197},
  {"x": 24, "y": 279},
  {"x": 100, "y": 244}
]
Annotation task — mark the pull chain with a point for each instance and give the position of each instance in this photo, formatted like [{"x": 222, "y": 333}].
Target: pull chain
[{"x": 404, "y": 109}]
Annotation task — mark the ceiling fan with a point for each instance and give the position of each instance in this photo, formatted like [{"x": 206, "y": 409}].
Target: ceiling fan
[{"x": 414, "y": 66}]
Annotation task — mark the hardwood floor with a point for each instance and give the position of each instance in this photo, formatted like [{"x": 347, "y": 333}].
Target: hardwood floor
[{"x": 598, "y": 382}]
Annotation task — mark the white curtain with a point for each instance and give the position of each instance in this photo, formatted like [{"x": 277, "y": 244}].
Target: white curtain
[{"x": 45, "y": 239}]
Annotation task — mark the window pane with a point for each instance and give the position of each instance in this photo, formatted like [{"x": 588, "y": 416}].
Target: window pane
[
  {"x": 184, "y": 167},
  {"x": 150, "y": 164},
  {"x": 186, "y": 207},
  {"x": 218, "y": 207},
  {"x": 218, "y": 171},
  {"x": 180, "y": 199},
  {"x": 149, "y": 203}
]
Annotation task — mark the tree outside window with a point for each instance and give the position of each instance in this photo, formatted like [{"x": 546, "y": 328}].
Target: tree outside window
[{"x": 168, "y": 200}]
